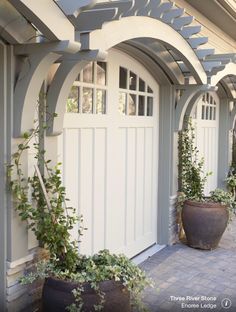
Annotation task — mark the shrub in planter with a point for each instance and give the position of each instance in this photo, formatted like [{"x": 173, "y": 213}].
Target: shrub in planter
[
  {"x": 204, "y": 219},
  {"x": 73, "y": 282}
]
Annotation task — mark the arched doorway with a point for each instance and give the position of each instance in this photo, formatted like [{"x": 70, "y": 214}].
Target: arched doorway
[{"x": 109, "y": 149}]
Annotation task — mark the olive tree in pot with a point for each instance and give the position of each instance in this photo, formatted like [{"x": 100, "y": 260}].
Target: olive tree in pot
[
  {"x": 73, "y": 282},
  {"x": 204, "y": 219}
]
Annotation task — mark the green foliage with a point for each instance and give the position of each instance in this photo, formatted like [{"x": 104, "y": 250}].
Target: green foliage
[
  {"x": 51, "y": 222},
  {"x": 191, "y": 173},
  {"x": 231, "y": 180},
  {"x": 48, "y": 216},
  {"x": 94, "y": 269}
]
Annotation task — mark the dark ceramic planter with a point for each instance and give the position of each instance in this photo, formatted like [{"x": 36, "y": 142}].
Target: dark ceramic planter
[
  {"x": 57, "y": 296},
  {"x": 204, "y": 223}
]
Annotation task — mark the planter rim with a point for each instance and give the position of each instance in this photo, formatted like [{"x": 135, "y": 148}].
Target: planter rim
[
  {"x": 205, "y": 204},
  {"x": 107, "y": 285}
]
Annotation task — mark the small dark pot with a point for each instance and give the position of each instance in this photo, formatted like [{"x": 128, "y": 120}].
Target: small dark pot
[
  {"x": 204, "y": 223},
  {"x": 57, "y": 296}
]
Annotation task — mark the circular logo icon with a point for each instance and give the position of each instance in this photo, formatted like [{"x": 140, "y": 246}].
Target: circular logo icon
[{"x": 226, "y": 303}]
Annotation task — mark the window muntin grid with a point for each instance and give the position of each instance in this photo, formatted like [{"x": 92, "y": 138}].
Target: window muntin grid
[
  {"x": 135, "y": 95},
  {"x": 88, "y": 94},
  {"x": 208, "y": 107}
]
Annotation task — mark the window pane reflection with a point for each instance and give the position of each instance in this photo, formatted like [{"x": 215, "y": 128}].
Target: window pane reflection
[
  {"x": 123, "y": 78},
  {"x": 87, "y": 101},
  {"x": 141, "y": 85},
  {"x": 141, "y": 104},
  {"x": 122, "y": 103},
  {"x": 132, "y": 104},
  {"x": 101, "y": 102},
  {"x": 88, "y": 73},
  {"x": 73, "y": 100},
  {"x": 149, "y": 106},
  {"x": 132, "y": 81}
]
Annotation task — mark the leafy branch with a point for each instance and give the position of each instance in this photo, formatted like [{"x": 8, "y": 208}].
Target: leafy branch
[{"x": 51, "y": 223}]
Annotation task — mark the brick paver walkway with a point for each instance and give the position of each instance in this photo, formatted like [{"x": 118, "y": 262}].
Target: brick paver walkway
[{"x": 188, "y": 279}]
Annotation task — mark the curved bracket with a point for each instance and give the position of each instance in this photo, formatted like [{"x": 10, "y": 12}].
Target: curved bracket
[
  {"x": 230, "y": 69},
  {"x": 27, "y": 89},
  {"x": 186, "y": 102},
  {"x": 61, "y": 84},
  {"x": 182, "y": 105}
]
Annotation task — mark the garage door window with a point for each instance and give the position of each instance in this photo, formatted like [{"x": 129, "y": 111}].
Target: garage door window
[
  {"x": 208, "y": 107},
  {"x": 88, "y": 93},
  {"x": 135, "y": 96}
]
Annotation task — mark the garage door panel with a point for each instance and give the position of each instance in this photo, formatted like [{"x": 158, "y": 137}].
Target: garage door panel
[
  {"x": 99, "y": 189},
  {"x": 86, "y": 206},
  {"x": 71, "y": 167},
  {"x": 112, "y": 161},
  {"x": 148, "y": 180},
  {"x": 117, "y": 190},
  {"x": 139, "y": 213},
  {"x": 131, "y": 185}
]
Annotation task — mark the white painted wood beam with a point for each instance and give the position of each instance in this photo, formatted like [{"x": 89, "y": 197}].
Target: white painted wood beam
[
  {"x": 230, "y": 69},
  {"x": 115, "y": 32},
  {"x": 64, "y": 46},
  {"x": 47, "y": 17}
]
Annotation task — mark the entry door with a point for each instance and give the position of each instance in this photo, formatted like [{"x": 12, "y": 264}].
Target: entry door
[
  {"x": 207, "y": 125},
  {"x": 109, "y": 151}
]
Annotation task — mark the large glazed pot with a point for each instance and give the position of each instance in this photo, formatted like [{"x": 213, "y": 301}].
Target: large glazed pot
[
  {"x": 57, "y": 296},
  {"x": 204, "y": 223}
]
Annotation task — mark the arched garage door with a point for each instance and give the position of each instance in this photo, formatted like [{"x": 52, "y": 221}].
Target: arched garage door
[
  {"x": 207, "y": 127},
  {"x": 109, "y": 151}
]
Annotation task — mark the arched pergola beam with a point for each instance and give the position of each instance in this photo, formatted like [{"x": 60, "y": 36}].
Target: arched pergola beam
[
  {"x": 230, "y": 69},
  {"x": 161, "y": 56},
  {"x": 147, "y": 58},
  {"x": 61, "y": 85},
  {"x": 194, "y": 100},
  {"x": 115, "y": 32},
  {"x": 37, "y": 60},
  {"x": 186, "y": 102}
]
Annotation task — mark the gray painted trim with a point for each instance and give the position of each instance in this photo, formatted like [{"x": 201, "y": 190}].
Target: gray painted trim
[
  {"x": 223, "y": 149},
  {"x": 17, "y": 233},
  {"x": 3, "y": 210},
  {"x": 165, "y": 171}
]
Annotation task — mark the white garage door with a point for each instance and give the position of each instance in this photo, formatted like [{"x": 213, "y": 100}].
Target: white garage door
[
  {"x": 109, "y": 152},
  {"x": 207, "y": 125}
]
